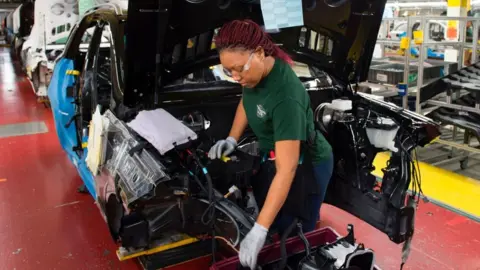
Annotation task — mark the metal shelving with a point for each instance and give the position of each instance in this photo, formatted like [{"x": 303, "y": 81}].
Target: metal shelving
[
  {"x": 460, "y": 45},
  {"x": 464, "y": 148}
]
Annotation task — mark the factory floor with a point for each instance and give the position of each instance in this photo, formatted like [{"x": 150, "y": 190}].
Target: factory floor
[{"x": 46, "y": 224}]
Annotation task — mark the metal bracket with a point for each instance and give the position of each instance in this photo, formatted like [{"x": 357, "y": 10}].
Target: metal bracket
[{"x": 164, "y": 7}]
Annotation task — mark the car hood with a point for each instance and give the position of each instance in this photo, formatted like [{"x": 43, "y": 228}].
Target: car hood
[{"x": 337, "y": 37}]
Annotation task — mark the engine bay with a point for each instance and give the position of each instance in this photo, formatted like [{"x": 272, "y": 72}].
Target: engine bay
[{"x": 181, "y": 191}]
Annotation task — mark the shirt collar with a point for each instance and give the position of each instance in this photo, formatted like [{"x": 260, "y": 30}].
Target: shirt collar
[{"x": 271, "y": 77}]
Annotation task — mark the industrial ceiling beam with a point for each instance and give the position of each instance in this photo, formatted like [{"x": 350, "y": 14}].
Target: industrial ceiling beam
[{"x": 11, "y": 6}]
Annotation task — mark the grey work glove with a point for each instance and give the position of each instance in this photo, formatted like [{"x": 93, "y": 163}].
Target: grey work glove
[
  {"x": 251, "y": 246},
  {"x": 222, "y": 148}
]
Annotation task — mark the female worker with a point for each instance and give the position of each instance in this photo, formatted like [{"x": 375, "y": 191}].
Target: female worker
[{"x": 277, "y": 107}]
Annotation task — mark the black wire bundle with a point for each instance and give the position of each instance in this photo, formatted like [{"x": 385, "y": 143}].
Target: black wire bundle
[
  {"x": 283, "y": 241},
  {"x": 210, "y": 211},
  {"x": 417, "y": 191}
]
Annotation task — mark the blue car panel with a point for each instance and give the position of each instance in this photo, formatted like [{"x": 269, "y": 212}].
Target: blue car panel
[{"x": 63, "y": 108}]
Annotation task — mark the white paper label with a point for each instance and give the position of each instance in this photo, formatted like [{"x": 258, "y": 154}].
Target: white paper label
[
  {"x": 451, "y": 56},
  {"x": 282, "y": 13},
  {"x": 382, "y": 77}
]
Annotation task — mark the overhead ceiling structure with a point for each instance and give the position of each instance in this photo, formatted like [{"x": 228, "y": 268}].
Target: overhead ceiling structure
[{"x": 11, "y": 4}]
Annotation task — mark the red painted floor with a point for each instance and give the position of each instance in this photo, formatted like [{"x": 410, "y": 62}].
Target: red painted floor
[{"x": 46, "y": 224}]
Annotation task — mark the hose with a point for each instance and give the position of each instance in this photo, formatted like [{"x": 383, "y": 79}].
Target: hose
[
  {"x": 304, "y": 240},
  {"x": 283, "y": 242},
  {"x": 228, "y": 243}
]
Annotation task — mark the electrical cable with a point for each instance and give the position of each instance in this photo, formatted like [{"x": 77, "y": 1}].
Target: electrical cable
[
  {"x": 417, "y": 191},
  {"x": 357, "y": 170},
  {"x": 211, "y": 198},
  {"x": 283, "y": 240},
  {"x": 308, "y": 255},
  {"x": 228, "y": 243},
  {"x": 197, "y": 180},
  {"x": 182, "y": 211}
]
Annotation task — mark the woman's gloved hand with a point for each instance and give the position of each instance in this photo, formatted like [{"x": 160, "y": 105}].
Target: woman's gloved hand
[
  {"x": 222, "y": 148},
  {"x": 251, "y": 245}
]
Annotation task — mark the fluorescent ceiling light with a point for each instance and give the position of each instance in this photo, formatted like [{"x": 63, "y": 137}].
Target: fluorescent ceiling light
[
  {"x": 417, "y": 4},
  {"x": 425, "y": 4}
]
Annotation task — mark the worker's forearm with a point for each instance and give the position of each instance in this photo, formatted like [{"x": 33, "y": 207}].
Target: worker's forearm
[
  {"x": 239, "y": 123},
  {"x": 277, "y": 194}
]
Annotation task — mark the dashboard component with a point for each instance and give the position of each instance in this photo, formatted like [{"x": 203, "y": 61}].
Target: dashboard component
[{"x": 196, "y": 121}]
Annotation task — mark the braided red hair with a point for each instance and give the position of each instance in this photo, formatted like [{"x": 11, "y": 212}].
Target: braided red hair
[{"x": 248, "y": 35}]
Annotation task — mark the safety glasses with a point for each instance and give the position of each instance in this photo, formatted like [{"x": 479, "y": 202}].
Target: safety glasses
[{"x": 245, "y": 67}]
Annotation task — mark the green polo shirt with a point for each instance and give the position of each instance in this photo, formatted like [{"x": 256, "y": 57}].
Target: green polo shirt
[{"x": 278, "y": 109}]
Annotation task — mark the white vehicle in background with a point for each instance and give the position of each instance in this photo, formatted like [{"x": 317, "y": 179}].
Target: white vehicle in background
[
  {"x": 19, "y": 25},
  {"x": 16, "y": 26},
  {"x": 54, "y": 20}
]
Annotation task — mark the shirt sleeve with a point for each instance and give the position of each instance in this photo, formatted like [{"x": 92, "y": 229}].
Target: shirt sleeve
[{"x": 289, "y": 121}]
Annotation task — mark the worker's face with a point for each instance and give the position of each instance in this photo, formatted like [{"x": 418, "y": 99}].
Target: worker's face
[{"x": 244, "y": 66}]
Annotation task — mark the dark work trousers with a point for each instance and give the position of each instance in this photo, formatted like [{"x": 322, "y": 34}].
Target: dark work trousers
[{"x": 323, "y": 173}]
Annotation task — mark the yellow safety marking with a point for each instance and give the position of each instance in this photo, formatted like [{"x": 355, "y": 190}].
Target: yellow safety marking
[
  {"x": 157, "y": 249},
  {"x": 446, "y": 187},
  {"x": 453, "y": 3},
  {"x": 418, "y": 37},
  {"x": 404, "y": 43},
  {"x": 84, "y": 144},
  {"x": 73, "y": 72},
  {"x": 458, "y": 3}
]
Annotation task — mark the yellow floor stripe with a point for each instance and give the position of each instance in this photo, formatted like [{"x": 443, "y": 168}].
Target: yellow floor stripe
[
  {"x": 158, "y": 249},
  {"x": 446, "y": 187}
]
